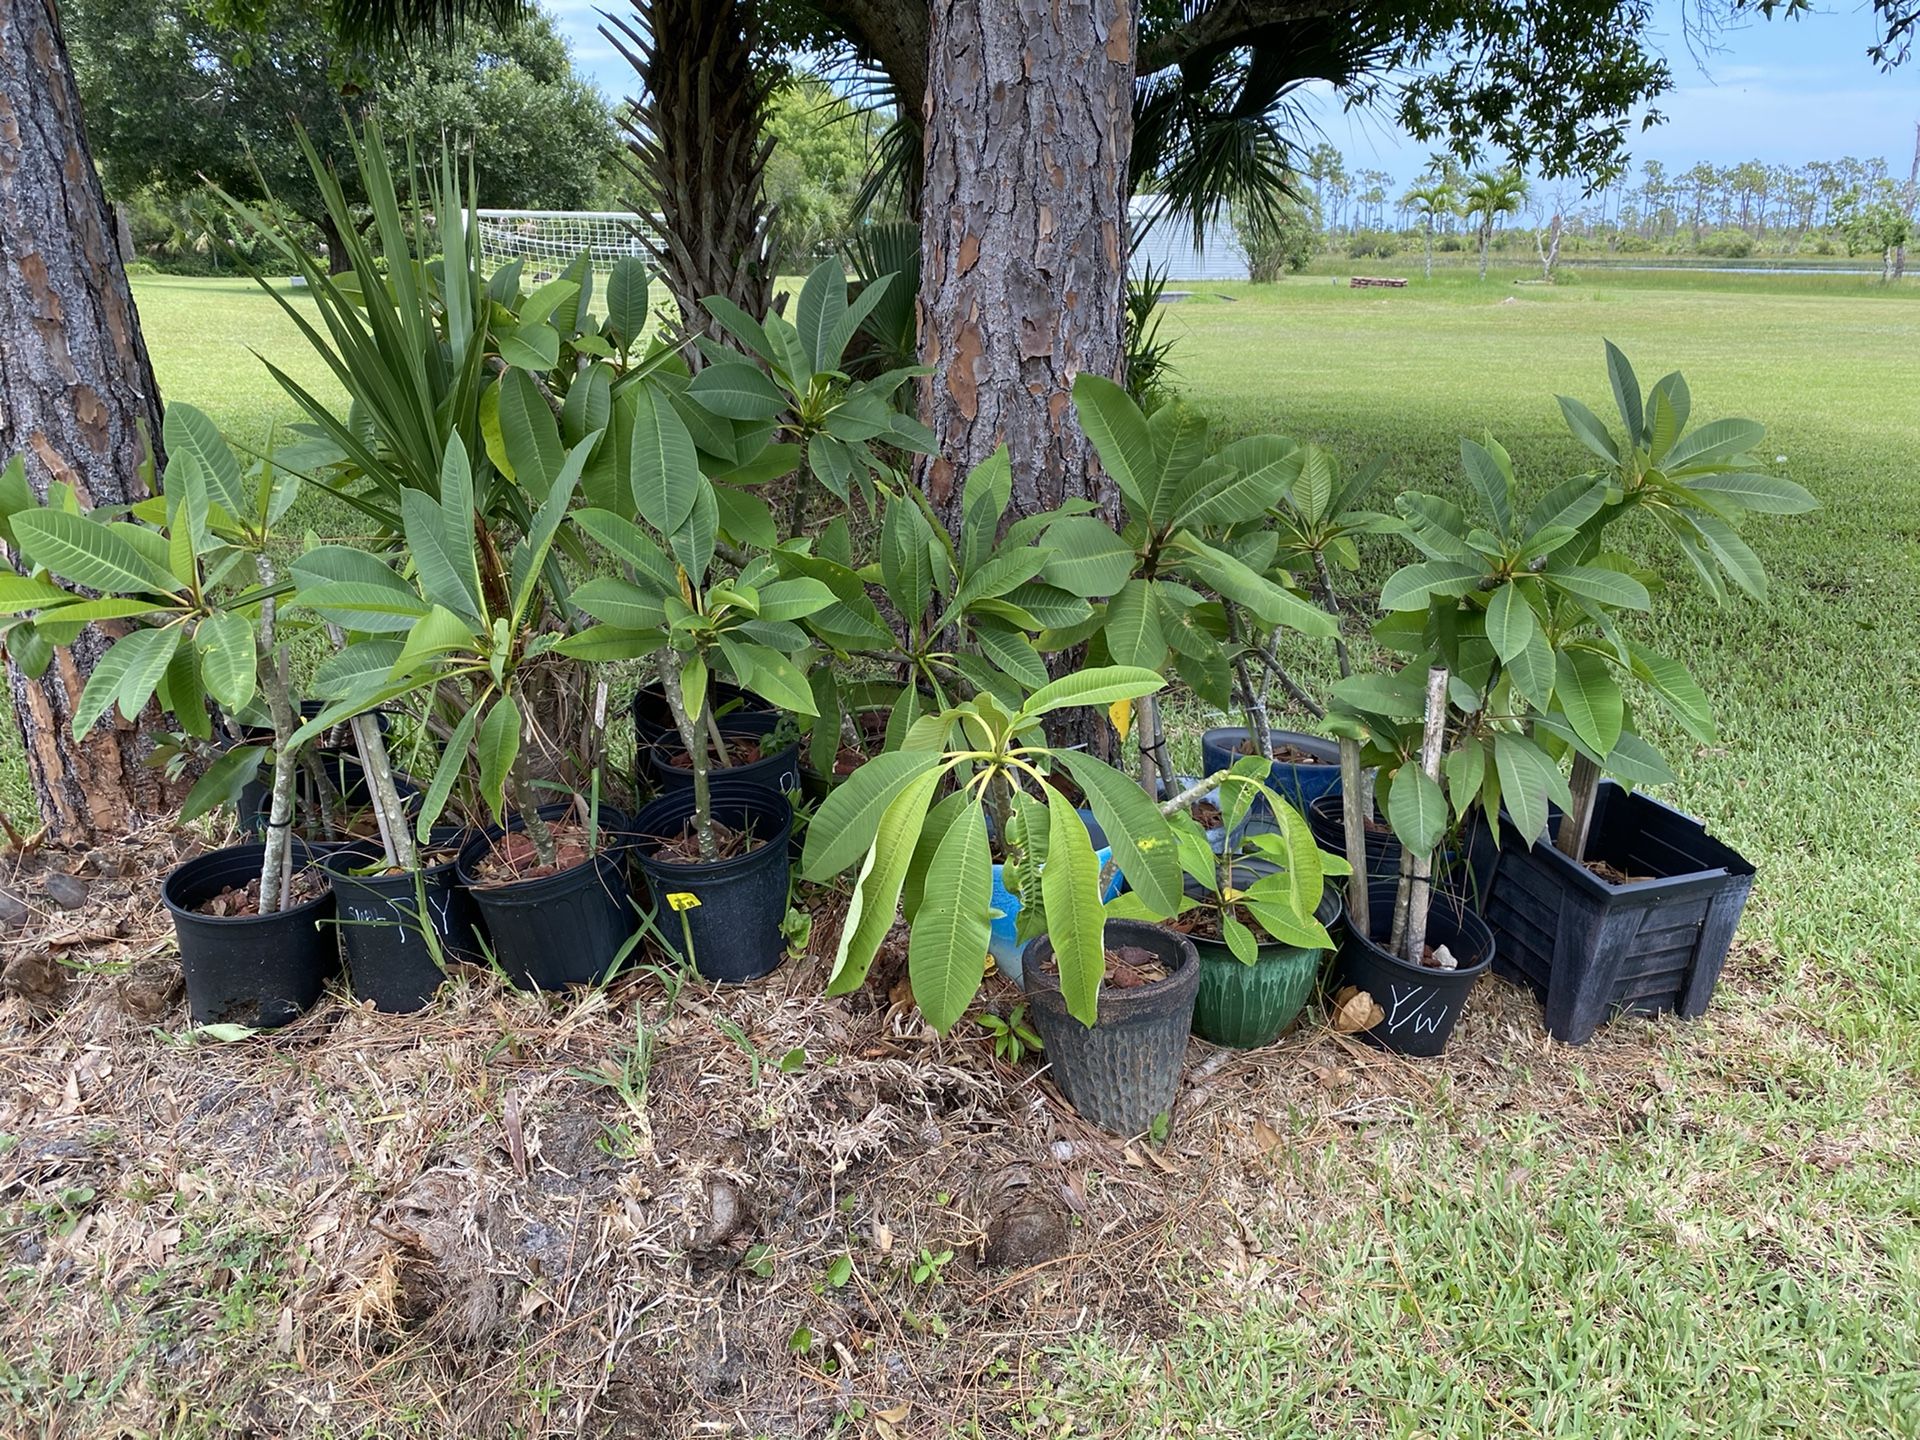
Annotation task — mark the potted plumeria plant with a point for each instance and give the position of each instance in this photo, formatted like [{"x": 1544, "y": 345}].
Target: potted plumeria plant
[
  {"x": 920, "y": 825},
  {"x": 928, "y": 619},
  {"x": 461, "y": 635},
  {"x": 1620, "y": 904},
  {"x": 1190, "y": 567},
  {"x": 716, "y": 847},
  {"x": 1259, "y": 913},
  {"x": 1515, "y": 629},
  {"x": 190, "y": 573}
]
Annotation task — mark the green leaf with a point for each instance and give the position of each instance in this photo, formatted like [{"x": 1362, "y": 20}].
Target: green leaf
[
  {"x": 227, "y": 660},
  {"x": 1412, "y": 587},
  {"x": 452, "y": 761},
  {"x": 1120, "y": 436},
  {"x": 499, "y": 748},
  {"x": 988, "y": 489},
  {"x": 1417, "y": 809},
  {"x": 1466, "y": 772},
  {"x": 1590, "y": 698},
  {"x": 876, "y": 894},
  {"x": 127, "y": 673},
  {"x": 1143, "y": 846},
  {"x": 844, "y": 827},
  {"x": 221, "y": 782},
  {"x": 434, "y": 634},
  {"x": 1532, "y": 670},
  {"x": 181, "y": 692},
  {"x": 620, "y": 603},
  {"x": 1571, "y": 503},
  {"x": 449, "y": 574},
  {"x": 1076, "y": 924},
  {"x": 1752, "y": 490},
  {"x": 1392, "y": 697},
  {"x": 1088, "y": 558},
  {"x": 663, "y": 470},
  {"x": 738, "y": 390},
  {"x": 20, "y": 594},
  {"x": 1271, "y": 603},
  {"x": 530, "y": 435},
  {"x": 768, "y": 674},
  {"x": 357, "y": 605},
  {"x": 530, "y": 347},
  {"x": 745, "y": 518},
  {"x": 1492, "y": 475},
  {"x": 189, "y": 431},
  {"x": 1714, "y": 443},
  {"x": 1678, "y": 691},
  {"x": 85, "y": 552},
  {"x": 1599, "y": 585},
  {"x": 1588, "y": 430},
  {"x": 1626, "y": 393},
  {"x": 1511, "y": 623},
  {"x": 947, "y": 950},
  {"x": 1527, "y": 777},
  {"x": 823, "y": 300},
  {"x": 693, "y": 542},
  {"x": 1133, "y": 633},
  {"x": 627, "y": 299},
  {"x": 363, "y": 665},
  {"x": 630, "y": 543},
  {"x": 1099, "y": 686},
  {"x": 906, "y": 559},
  {"x": 1012, "y": 652}
]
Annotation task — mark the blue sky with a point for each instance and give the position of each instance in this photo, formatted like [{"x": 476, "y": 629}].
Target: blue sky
[{"x": 1781, "y": 91}]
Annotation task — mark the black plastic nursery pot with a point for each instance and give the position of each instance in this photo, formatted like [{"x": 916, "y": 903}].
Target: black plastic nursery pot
[
  {"x": 779, "y": 771},
  {"x": 562, "y": 929},
  {"x": 739, "y": 902},
  {"x": 257, "y": 970},
  {"x": 1297, "y": 784},
  {"x": 1591, "y": 949},
  {"x": 1420, "y": 1006},
  {"x": 384, "y": 922},
  {"x": 343, "y": 770},
  {"x": 1468, "y": 872},
  {"x": 1246, "y": 1006},
  {"x": 653, "y": 717},
  {"x": 1125, "y": 1069}
]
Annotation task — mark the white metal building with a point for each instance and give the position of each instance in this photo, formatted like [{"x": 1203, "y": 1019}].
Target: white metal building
[{"x": 1167, "y": 245}]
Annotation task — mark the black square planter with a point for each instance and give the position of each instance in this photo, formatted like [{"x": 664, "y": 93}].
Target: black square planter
[{"x": 1592, "y": 950}]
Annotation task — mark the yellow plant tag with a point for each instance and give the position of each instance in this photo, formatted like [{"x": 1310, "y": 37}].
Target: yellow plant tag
[
  {"x": 683, "y": 900},
  {"x": 1121, "y": 714}
]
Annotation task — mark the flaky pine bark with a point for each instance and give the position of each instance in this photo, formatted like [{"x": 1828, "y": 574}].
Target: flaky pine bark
[
  {"x": 699, "y": 150},
  {"x": 77, "y": 398},
  {"x": 1023, "y": 259}
]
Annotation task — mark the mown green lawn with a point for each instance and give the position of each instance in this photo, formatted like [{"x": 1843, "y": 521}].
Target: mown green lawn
[{"x": 1727, "y": 1245}]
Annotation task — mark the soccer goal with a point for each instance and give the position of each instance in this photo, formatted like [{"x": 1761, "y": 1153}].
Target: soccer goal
[{"x": 548, "y": 240}]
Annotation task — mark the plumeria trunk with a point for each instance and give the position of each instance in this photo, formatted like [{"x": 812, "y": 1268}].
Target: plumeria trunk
[
  {"x": 1432, "y": 741},
  {"x": 696, "y": 747},
  {"x": 396, "y": 838},
  {"x": 276, "y": 861},
  {"x": 1572, "y": 839}
]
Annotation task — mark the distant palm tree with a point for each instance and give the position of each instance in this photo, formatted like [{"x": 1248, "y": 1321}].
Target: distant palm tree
[
  {"x": 1492, "y": 194},
  {"x": 1430, "y": 202}
]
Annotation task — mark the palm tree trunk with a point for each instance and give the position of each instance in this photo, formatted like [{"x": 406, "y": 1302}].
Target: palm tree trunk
[
  {"x": 699, "y": 150},
  {"x": 80, "y": 404}
]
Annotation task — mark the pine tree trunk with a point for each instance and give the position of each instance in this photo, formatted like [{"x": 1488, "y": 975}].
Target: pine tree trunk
[
  {"x": 77, "y": 398},
  {"x": 1024, "y": 250},
  {"x": 699, "y": 150}
]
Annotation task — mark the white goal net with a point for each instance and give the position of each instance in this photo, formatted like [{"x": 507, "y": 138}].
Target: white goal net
[{"x": 548, "y": 240}]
